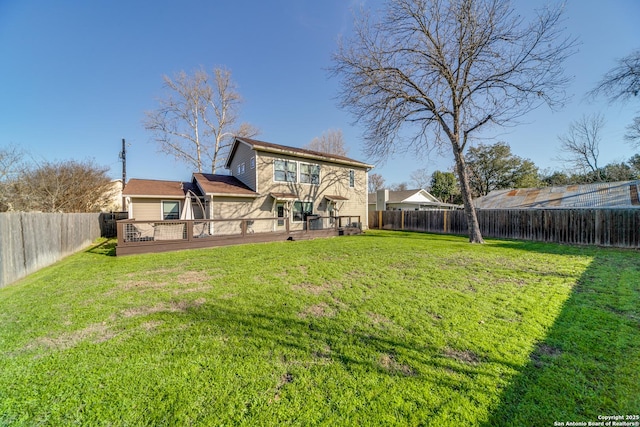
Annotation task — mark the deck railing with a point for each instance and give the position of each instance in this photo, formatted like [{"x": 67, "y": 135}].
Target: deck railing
[{"x": 159, "y": 236}]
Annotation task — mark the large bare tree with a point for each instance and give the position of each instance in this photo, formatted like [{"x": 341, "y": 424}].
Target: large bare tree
[
  {"x": 581, "y": 145},
  {"x": 440, "y": 71},
  {"x": 620, "y": 84},
  {"x": 197, "y": 120},
  {"x": 330, "y": 142}
]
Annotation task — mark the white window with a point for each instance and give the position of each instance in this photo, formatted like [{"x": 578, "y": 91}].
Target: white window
[
  {"x": 285, "y": 171},
  {"x": 253, "y": 163},
  {"x": 170, "y": 209},
  {"x": 309, "y": 173},
  {"x": 352, "y": 178},
  {"x": 241, "y": 168}
]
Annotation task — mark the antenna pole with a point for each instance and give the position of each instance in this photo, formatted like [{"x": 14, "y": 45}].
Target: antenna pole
[{"x": 123, "y": 156}]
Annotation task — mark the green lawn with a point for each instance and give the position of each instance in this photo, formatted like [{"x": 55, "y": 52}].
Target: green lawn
[{"x": 386, "y": 328}]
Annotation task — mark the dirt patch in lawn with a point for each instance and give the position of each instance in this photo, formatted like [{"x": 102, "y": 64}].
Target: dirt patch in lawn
[
  {"x": 543, "y": 354},
  {"x": 315, "y": 289},
  {"x": 170, "y": 277},
  {"x": 463, "y": 356},
  {"x": 172, "y": 307},
  {"x": 389, "y": 363},
  {"x": 96, "y": 333},
  {"x": 192, "y": 277},
  {"x": 318, "y": 310}
]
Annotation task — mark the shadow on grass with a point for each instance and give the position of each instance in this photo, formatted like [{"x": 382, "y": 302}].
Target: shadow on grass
[
  {"x": 589, "y": 363},
  {"x": 107, "y": 248},
  {"x": 298, "y": 343}
]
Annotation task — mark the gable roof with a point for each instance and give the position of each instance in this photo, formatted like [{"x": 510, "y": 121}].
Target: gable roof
[
  {"x": 293, "y": 151},
  {"x": 222, "y": 185},
  {"x": 156, "y": 188},
  {"x": 407, "y": 196},
  {"x": 597, "y": 195}
]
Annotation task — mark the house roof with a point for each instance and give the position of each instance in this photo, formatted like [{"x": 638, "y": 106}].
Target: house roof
[
  {"x": 222, "y": 185},
  {"x": 406, "y": 196},
  {"x": 597, "y": 195},
  {"x": 156, "y": 188},
  {"x": 419, "y": 197},
  {"x": 293, "y": 151}
]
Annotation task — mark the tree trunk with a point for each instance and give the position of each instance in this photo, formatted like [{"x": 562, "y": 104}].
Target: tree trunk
[{"x": 472, "y": 219}]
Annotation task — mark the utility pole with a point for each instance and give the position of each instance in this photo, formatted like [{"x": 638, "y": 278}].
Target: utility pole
[{"x": 123, "y": 157}]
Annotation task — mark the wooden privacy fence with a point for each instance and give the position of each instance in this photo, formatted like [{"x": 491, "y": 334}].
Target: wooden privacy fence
[
  {"x": 601, "y": 227},
  {"x": 30, "y": 241}
]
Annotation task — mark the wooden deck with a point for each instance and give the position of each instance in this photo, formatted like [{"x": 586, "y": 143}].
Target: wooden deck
[{"x": 138, "y": 237}]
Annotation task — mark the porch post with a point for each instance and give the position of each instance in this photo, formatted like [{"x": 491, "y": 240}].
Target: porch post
[
  {"x": 120, "y": 232},
  {"x": 189, "y": 230}
]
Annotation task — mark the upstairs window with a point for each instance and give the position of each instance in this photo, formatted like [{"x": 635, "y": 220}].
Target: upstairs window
[
  {"x": 240, "y": 168},
  {"x": 285, "y": 171},
  {"x": 352, "y": 178},
  {"x": 309, "y": 174}
]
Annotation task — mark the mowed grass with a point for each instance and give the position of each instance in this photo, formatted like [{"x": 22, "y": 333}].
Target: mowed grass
[{"x": 385, "y": 328}]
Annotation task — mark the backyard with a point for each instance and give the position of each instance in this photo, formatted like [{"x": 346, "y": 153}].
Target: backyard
[{"x": 384, "y": 328}]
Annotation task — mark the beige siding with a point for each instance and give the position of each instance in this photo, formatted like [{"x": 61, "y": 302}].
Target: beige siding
[
  {"x": 244, "y": 154},
  {"x": 149, "y": 209},
  {"x": 334, "y": 181},
  {"x": 242, "y": 207}
]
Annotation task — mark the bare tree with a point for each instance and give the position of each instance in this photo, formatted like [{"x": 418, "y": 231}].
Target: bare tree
[
  {"x": 444, "y": 70},
  {"x": 581, "y": 144},
  {"x": 68, "y": 186},
  {"x": 622, "y": 83},
  {"x": 198, "y": 119},
  {"x": 376, "y": 182},
  {"x": 633, "y": 132},
  {"x": 403, "y": 186},
  {"x": 330, "y": 142},
  {"x": 420, "y": 178},
  {"x": 11, "y": 165}
]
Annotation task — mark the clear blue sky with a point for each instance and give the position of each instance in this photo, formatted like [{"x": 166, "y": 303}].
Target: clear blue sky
[{"x": 77, "y": 76}]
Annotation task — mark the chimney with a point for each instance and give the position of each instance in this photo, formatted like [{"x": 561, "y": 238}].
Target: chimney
[{"x": 382, "y": 197}]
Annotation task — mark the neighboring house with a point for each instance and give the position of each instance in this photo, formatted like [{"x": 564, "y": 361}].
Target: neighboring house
[
  {"x": 597, "y": 195},
  {"x": 115, "y": 194},
  {"x": 267, "y": 181},
  {"x": 405, "y": 200}
]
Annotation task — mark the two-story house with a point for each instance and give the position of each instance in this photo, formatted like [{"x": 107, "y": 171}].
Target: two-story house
[{"x": 266, "y": 181}]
